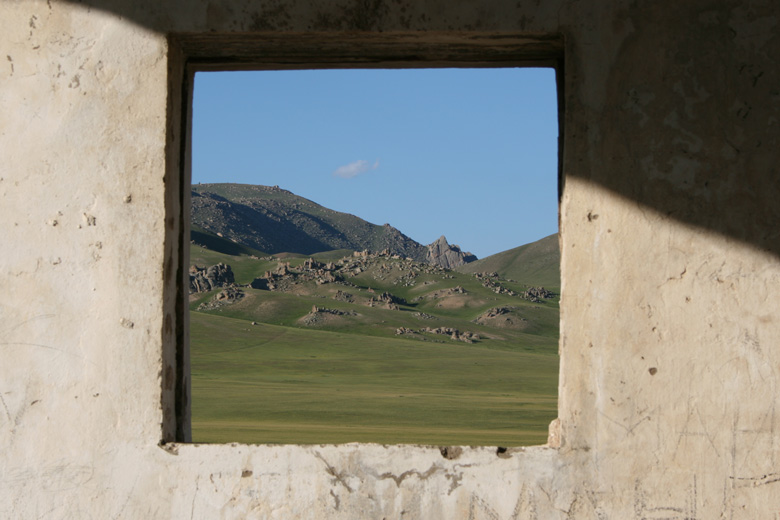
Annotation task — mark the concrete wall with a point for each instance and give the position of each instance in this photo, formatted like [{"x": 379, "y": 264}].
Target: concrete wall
[{"x": 670, "y": 249}]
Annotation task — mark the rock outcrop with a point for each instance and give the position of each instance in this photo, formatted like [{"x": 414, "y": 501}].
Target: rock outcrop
[
  {"x": 537, "y": 294},
  {"x": 503, "y": 318},
  {"x": 226, "y": 296},
  {"x": 447, "y": 255},
  {"x": 204, "y": 279}
]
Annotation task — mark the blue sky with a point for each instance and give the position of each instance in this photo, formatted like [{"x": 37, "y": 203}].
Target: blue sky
[{"x": 466, "y": 153}]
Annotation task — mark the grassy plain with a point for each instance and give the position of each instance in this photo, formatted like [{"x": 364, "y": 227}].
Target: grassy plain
[
  {"x": 350, "y": 378},
  {"x": 274, "y": 384}
]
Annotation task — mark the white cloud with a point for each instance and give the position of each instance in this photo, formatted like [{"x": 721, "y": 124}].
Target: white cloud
[{"x": 354, "y": 169}]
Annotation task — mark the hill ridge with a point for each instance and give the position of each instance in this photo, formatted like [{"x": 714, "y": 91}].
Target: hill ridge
[
  {"x": 533, "y": 263},
  {"x": 274, "y": 220}
]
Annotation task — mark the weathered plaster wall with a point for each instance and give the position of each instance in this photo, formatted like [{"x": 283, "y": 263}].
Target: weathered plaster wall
[{"x": 670, "y": 245}]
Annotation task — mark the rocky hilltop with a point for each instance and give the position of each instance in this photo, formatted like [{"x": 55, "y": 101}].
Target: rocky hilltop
[
  {"x": 273, "y": 220},
  {"x": 447, "y": 255}
]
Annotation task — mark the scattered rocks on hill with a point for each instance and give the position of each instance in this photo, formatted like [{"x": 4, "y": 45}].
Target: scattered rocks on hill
[
  {"x": 313, "y": 265},
  {"x": 282, "y": 269},
  {"x": 454, "y": 334},
  {"x": 342, "y": 296},
  {"x": 386, "y": 300},
  {"x": 284, "y": 277},
  {"x": 203, "y": 279},
  {"x": 536, "y": 294},
  {"x": 261, "y": 284},
  {"x": 320, "y": 314},
  {"x": 495, "y": 312},
  {"x": 337, "y": 312},
  {"x": 503, "y": 318},
  {"x": 490, "y": 280},
  {"x": 226, "y": 296},
  {"x": 326, "y": 277},
  {"x": 532, "y": 294},
  {"x": 452, "y": 291}
]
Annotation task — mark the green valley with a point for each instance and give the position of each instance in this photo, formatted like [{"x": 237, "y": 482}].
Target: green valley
[
  {"x": 370, "y": 348},
  {"x": 296, "y": 337}
]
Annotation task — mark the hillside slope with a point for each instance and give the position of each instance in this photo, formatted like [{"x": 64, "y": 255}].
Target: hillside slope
[
  {"x": 369, "y": 347},
  {"x": 537, "y": 263},
  {"x": 270, "y": 219}
]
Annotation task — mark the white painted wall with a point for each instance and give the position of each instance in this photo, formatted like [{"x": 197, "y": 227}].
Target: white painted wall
[{"x": 670, "y": 259}]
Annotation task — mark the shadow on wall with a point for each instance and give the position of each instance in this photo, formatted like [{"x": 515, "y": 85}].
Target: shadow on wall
[{"x": 689, "y": 131}]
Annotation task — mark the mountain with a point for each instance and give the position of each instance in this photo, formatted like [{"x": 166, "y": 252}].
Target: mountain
[
  {"x": 537, "y": 263},
  {"x": 273, "y": 220}
]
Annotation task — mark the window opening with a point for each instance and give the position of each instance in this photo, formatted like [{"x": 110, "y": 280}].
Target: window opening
[{"x": 330, "y": 327}]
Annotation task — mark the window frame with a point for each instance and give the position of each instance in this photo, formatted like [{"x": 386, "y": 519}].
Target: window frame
[{"x": 191, "y": 53}]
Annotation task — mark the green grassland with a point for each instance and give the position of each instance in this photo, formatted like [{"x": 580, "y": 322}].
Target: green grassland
[
  {"x": 535, "y": 263},
  {"x": 348, "y": 376},
  {"x": 273, "y": 384}
]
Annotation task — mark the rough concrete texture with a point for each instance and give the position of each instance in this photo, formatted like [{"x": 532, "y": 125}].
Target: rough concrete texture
[{"x": 670, "y": 249}]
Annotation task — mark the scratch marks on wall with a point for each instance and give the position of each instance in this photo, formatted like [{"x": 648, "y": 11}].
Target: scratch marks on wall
[
  {"x": 7, "y": 338},
  {"x": 362, "y": 483},
  {"x": 22, "y": 336},
  {"x": 629, "y": 428},
  {"x": 194, "y": 497},
  {"x": 56, "y": 476},
  {"x": 752, "y": 465},
  {"x": 7, "y": 412},
  {"x": 682, "y": 505},
  {"x": 130, "y": 496},
  {"x": 525, "y": 507},
  {"x": 25, "y": 322},
  {"x": 479, "y": 509},
  {"x": 695, "y": 426},
  {"x": 338, "y": 477},
  {"x": 760, "y": 480}
]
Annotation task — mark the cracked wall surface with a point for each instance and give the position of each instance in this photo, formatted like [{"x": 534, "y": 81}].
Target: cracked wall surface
[{"x": 669, "y": 237}]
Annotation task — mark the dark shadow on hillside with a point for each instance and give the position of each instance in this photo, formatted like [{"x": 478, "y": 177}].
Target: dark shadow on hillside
[
  {"x": 220, "y": 245},
  {"x": 269, "y": 229}
]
